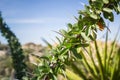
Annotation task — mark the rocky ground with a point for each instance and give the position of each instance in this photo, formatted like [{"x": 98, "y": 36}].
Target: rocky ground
[{"x": 31, "y": 50}]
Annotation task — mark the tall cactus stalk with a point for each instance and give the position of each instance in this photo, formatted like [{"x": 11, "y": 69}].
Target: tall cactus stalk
[{"x": 16, "y": 50}]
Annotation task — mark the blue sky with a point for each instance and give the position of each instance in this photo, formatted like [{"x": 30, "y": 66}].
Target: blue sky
[{"x": 32, "y": 20}]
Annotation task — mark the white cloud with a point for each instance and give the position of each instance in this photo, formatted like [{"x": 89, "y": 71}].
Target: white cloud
[
  {"x": 25, "y": 21},
  {"x": 37, "y": 20}
]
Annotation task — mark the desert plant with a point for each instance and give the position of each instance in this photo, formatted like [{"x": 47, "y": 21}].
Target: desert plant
[
  {"x": 98, "y": 64},
  {"x": 16, "y": 50},
  {"x": 79, "y": 35}
]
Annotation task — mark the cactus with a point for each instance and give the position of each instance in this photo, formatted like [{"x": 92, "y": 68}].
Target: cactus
[{"x": 15, "y": 48}]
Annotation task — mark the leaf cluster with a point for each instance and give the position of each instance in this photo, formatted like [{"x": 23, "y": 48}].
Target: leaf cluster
[{"x": 79, "y": 35}]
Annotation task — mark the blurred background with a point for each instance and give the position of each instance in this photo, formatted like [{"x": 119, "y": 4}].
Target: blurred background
[{"x": 34, "y": 20}]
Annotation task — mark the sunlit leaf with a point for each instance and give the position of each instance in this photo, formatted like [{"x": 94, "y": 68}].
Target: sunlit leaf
[
  {"x": 107, "y": 10},
  {"x": 64, "y": 33},
  {"x": 83, "y": 12},
  {"x": 118, "y": 8},
  {"x": 85, "y": 37},
  {"x": 106, "y": 1},
  {"x": 93, "y": 16},
  {"x": 68, "y": 45}
]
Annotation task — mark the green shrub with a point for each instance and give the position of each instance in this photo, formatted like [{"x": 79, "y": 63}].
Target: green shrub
[
  {"x": 78, "y": 35},
  {"x": 100, "y": 62}
]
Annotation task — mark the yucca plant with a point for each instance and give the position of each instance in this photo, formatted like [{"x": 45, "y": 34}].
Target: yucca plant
[{"x": 99, "y": 62}]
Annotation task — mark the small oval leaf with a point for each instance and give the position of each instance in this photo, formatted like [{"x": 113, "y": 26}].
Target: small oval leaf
[
  {"x": 106, "y": 1},
  {"x": 107, "y": 10},
  {"x": 76, "y": 54}
]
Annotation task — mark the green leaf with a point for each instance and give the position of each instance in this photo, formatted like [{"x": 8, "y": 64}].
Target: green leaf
[
  {"x": 94, "y": 16},
  {"x": 106, "y": 1},
  {"x": 88, "y": 21},
  {"x": 88, "y": 31},
  {"x": 74, "y": 76},
  {"x": 68, "y": 45},
  {"x": 70, "y": 25},
  {"x": 76, "y": 54},
  {"x": 80, "y": 25},
  {"x": 83, "y": 12},
  {"x": 59, "y": 40},
  {"x": 80, "y": 16},
  {"x": 64, "y": 33},
  {"x": 50, "y": 46},
  {"x": 44, "y": 57},
  {"x": 98, "y": 4},
  {"x": 105, "y": 14},
  {"x": 85, "y": 37},
  {"x": 81, "y": 45},
  {"x": 118, "y": 8},
  {"x": 107, "y": 10},
  {"x": 54, "y": 77},
  {"x": 109, "y": 16},
  {"x": 65, "y": 50}
]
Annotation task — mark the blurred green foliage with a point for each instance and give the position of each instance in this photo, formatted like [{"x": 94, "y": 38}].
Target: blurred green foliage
[
  {"x": 16, "y": 50},
  {"x": 78, "y": 36}
]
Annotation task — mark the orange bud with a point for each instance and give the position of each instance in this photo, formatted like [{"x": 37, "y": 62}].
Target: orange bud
[{"x": 100, "y": 25}]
